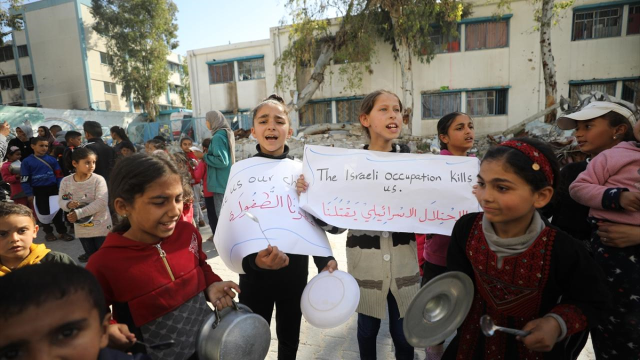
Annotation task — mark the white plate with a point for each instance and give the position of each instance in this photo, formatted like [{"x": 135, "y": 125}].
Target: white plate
[{"x": 329, "y": 299}]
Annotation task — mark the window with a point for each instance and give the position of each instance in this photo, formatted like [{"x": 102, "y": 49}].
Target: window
[
  {"x": 348, "y": 111},
  {"x": 6, "y": 53},
  {"x": 487, "y": 102},
  {"x": 110, "y": 88},
  {"x": 173, "y": 67},
  {"x": 631, "y": 91},
  {"x": 23, "y": 51},
  {"x": 437, "y": 105},
  {"x": 106, "y": 59},
  {"x": 486, "y": 35},
  {"x": 315, "y": 113},
  {"x": 9, "y": 82},
  {"x": 608, "y": 88},
  {"x": 596, "y": 24},
  {"x": 27, "y": 80},
  {"x": 221, "y": 73},
  {"x": 444, "y": 43},
  {"x": 633, "y": 25},
  {"x": 251, "y": 69}
]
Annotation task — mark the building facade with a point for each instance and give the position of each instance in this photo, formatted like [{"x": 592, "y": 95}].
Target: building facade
[
  {"x": 492, "y": 70},
  {"x": 57, "y": 61}
]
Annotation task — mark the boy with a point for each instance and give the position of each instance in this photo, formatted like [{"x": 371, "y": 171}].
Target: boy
[
  {"x": 74, "y": 140},
  {"x": 54, "y": 311},
  {"x": 106, "y": 154},
  {"x": 40, "y": 178},
  {"x": 17, "y": 230},
  {"x": 186, "y": 144}
]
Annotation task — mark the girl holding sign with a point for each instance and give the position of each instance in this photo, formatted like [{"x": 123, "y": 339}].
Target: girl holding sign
[
  {"x": 383, "y": 263},
  {"x": 456, "y": 134},
  {"x": 527, "y": 274},
  {"x": 271, "y": 276}
]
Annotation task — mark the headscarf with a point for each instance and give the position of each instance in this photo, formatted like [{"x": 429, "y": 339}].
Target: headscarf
[
  {"x": 216, "y": 122},
  {"x": 27, "y": 129},
  {"x": 49, "y": 136}
]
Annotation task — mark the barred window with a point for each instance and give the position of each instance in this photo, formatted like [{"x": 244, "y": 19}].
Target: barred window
[
  {"x": 348, "y": 111},
  {"x": 486, "y": 35},
  {"x": 110, "y": 88},
  {"x": 6, "y": 53},
  {"x": 597, "y": 24},
  {"x": 315, "y": 113},
  {"x": 221, "y": 73},
  {"x": 23, "y": 51},
  {"x": 608, "y": 88},
  {"x": 444, "y": 43},
  {"x": 487, "y": 102},
  {"x": 106, "y": 59},
  {"x": 631, "y": 91},
  {"x": 27, "y": 80},
  {"x": 251, "y": 69},
  {"x": 436, "y": 105},
  {"x": 9, "y": 82}
]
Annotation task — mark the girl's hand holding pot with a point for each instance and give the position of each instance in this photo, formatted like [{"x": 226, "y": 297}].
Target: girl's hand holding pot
[{"x": 221, "y": 293}]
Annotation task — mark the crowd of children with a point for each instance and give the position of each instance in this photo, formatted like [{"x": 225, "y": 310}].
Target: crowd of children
[{"x": 555, "y": 252}]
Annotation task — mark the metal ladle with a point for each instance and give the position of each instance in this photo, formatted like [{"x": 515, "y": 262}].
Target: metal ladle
[
  {"x": 489, "y": 328},
  {"x": 159, "y": 346},
  {"x": 254, "y": 218}
]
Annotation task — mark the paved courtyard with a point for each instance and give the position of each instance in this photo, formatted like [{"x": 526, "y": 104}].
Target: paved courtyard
[{"x": 315, "y": 344}]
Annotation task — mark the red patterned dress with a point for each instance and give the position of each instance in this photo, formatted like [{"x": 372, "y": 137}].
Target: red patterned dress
[{"x": 554, "y": 275}]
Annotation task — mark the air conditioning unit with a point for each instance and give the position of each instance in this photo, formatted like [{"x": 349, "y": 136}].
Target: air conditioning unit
[{"x": 107, "y": 105}]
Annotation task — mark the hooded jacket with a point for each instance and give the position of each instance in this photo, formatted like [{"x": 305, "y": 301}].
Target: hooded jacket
[{"x": 39, "y": 254}]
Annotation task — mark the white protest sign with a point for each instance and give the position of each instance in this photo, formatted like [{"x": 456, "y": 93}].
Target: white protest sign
[
  {"x": 265, "y": 188},
  {"x": 371, "y": 190}
]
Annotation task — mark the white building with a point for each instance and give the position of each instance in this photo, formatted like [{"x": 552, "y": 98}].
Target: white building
[
  {"x": 57, "y": 61},
  {"x": 493, "y": 71}
]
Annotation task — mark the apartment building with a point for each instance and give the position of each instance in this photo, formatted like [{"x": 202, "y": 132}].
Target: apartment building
[
  {"x": 57, "y": 61},
  {"x": 492, "y": 70}
]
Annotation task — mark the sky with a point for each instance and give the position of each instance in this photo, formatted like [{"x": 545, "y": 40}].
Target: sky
[{"x": 206, "y": 23}]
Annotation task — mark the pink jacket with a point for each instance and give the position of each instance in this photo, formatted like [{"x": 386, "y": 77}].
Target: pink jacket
[
  {"x": 13, "y": 180},
  {"x": 200, "y": 174},
  {"x": 599, "y": 186}
]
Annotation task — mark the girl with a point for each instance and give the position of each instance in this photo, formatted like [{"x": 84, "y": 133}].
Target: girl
[
  {"x": 382, "y": 258},
  {"x": 152, "y": 267},
  {"x": 84, "y": 196},
  {"x": 17, "y": 195},
  {"x": 201, "y": 174},
  {"x": 154, "y": 145},
  {"x": 610, "y": 186},
  {"x": 220, "y": 157},
  {"x": 44, "y": 132},
  {"x": 118, "y": 135},
  {"x": 527, "y": 274},
  {"x": 181, "y": 163},
  {"x": 271, "y": 276},
  {"x": 456, "y": 134},
  {"x": 192, "y": 163}
]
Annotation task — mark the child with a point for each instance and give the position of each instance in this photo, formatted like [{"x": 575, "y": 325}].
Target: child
[
  {"x": 609, "y": 186},
  {"x": 24, "y": 133},
  {"x": 271, "y": 276},
  {"x": 456, "y": 134},
  {"x": 181, "y": 162},
  {"x": 152, "y": 268},
  {"x": 220, "y": 157},
  {"x": 527, "y": 274},
  {"x": 84, "y": 195},
  {"x": 17, "y": 195},
  {"x": 192, "y": 163},
  {"x": 54, "y": 311},
  {"x": 44, "y": 132},
  {"x": 382, "y": 257},
  {"x": 74, "y": 140},
  {"x": 201, "y": 174},
  {"x": 17, "y": 230},
  {"x": 41, "y": 176},
  {"x": 153, "y": 145},
  {"x": 126, "y": 148}
]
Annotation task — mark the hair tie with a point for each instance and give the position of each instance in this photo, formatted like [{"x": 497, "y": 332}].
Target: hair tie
[{"x": 540, "y": 162}]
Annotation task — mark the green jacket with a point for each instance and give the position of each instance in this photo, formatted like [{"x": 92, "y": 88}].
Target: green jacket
[{"x": 218, "y": 162}]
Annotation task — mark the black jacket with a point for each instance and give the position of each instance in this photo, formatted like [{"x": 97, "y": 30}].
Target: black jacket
[{"x": 106, "y": 157}]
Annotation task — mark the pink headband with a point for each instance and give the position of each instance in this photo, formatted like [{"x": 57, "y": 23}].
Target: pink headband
[{"x": 540, "y": 162}]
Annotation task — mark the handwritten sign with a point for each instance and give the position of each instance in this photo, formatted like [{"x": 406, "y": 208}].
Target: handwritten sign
[
  {"x": 370, "y": 190},
  {"x": 265, "y": 188}
]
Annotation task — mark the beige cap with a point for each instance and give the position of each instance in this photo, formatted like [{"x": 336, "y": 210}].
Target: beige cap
[{"x": 593, "y": 110}]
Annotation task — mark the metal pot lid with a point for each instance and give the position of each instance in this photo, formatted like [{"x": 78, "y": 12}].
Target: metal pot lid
[{"x": 438, "y": 309}]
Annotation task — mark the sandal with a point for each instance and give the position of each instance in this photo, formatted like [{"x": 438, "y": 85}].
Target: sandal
[
  {"x": 50, "y": 237},
  {"x": 66, "y": 237}
]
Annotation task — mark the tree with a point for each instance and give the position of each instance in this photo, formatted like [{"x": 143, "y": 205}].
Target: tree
[
  {"x": 139, "y": 36},
  {"x": 9, "y": 18},
  {"x": 185, "y": 89},
  {"x": 405, "y": 24}
]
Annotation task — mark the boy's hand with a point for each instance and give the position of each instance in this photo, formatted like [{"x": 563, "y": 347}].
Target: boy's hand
[
  {"x": 630, "y": 200},
  {"x": 544, "y": 334},
  {"x": 5, "y": 128},
  {"x": 120, "y": 337},
  {"x": 198, "y": 154},
  {"x": 271, "y": 258},
  {"x": 221, "y": 293},
  {"x": 72, "y": 217},
  {"x": 301, "y": 185},
  {"x": 331, "y": 266},
  {"x": 73, "y": 204}
]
